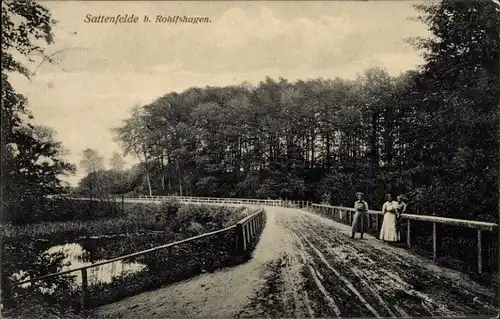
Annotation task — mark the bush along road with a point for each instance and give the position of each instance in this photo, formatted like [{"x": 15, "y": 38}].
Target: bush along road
[{"x": 307, "y": 266}]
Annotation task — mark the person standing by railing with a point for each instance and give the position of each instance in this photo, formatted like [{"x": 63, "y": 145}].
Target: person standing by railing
[
  {"x": 401, "y": 205},
  {"x": 389, "y": 231},
  {"x": 400, "y": 209},
  {"x": 358, "y": 222}
]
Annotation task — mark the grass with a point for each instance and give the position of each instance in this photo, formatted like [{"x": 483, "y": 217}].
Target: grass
[
  {"x": 37, "y": 310},
  {"x": 135, "y": 218}
]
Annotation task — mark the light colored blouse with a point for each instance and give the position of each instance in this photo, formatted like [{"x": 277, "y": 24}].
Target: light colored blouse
[
  {"x": 390, "y": 207},
  {"x": 361, "y": 206}
]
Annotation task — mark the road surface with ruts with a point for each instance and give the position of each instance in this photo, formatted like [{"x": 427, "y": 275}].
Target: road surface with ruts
[{"x": 307, "y": 266}]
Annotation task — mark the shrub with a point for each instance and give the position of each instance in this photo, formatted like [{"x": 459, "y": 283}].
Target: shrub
[
  {"x": 33, "y": 309},
  {"x": 210, "y": 217},
  {"x": 170, "y": 207},
  {"x": 61, "y": 209}
]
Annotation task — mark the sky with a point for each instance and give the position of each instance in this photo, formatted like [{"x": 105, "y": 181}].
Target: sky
[{"x": 104, "y": 70}]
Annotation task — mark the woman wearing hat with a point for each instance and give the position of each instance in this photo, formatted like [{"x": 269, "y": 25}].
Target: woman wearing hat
[
  {"x": 389, "y": 231},
  {"x": 358, "y": 222}
]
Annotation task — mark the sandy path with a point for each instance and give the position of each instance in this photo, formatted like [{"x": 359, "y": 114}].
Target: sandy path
[
  {"x": 220, "y": 294},
  {"x": 306, "y": 266}
]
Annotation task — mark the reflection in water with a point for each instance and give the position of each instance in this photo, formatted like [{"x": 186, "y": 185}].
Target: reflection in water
[{"x": 74, "y": 256}]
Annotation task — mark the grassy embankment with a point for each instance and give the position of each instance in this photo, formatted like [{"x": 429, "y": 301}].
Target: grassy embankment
[{"x": 167, "y": 222}]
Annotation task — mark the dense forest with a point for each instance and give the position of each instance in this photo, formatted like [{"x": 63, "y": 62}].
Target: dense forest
[{"x": 429, "y": 134}]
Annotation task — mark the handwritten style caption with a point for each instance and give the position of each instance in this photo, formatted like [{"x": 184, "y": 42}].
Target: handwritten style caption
[{"x": 132, "y": 18}]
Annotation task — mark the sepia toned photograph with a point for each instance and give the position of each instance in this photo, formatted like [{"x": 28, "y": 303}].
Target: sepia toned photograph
[{"x": 237, "y": 159}]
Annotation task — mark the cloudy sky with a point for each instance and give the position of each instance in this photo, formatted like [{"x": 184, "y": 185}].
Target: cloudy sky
[{"x": 107, "y": 69}]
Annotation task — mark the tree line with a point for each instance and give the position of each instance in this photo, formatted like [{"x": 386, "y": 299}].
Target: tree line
[{"x": 429, "y": 134}]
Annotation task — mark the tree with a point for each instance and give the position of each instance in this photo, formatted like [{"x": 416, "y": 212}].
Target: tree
[
  {"x": 93, "y": 164},
  {"x": 117, "y": 174},
  {"x": 133, "y": 136},
  {"x": 458, "y": 141},
  {"x": 32, "y": 162},
  {"x": 117, "y": 162}
]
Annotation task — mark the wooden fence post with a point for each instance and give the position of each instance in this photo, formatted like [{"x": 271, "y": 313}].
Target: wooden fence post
[
  {"x": 408, "y": 233},
  {"x": 434, "y": 242},
  {"x": 246, "y": 229},
  {"x": 376, "y": 223},
  {"x": 238, "y": 239},
  {"x": 85, "y": 290},
  {"x": 244, "y": 236},
  {"x": 479, "y": 252}
]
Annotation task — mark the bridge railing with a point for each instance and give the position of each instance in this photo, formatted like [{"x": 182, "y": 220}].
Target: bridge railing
[
  {"x": 210, "y": 250},
  {"x": 375, "y": 218},
  {"x": 247, "y": 228},
  {"x": 208, "y": 200},
  {"x": 213, "y": 200}
]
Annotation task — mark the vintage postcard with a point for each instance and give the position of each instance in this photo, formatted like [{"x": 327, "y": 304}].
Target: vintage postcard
[{"x": 165, "y": 159}]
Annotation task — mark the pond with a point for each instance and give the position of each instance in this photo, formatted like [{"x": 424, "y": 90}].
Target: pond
[{"x": 75, "y": 256}]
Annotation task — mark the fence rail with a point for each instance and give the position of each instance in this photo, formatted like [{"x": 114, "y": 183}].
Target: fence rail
[
  {"x": 247, "y": 228},
  {"x": 214, "y": 200},
  {"x": 206, "y": 200},
  {"x": 244, "y": 233},
  {"x": 479, "y": 226},
  {"x": 196, "y": 200}
]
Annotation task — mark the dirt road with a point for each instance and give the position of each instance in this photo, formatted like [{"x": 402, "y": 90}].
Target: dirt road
[{"x": 307, "y": 266}]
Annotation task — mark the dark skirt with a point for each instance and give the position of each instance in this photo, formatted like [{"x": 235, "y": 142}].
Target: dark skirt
[{"x": 358, "y": 222}]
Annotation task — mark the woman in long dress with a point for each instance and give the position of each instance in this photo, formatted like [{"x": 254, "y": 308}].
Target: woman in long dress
[
  {"x": 389, "y": 231},
  {"x": 358, "y": 222}
]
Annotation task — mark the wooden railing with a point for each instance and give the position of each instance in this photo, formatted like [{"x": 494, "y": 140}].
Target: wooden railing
[
  {"x": 245, "y": 233},
  {"x": 480, "y": 227},
  {"x": 213, "y": 200},
  {"x": 247, "y": 228},
  {"x": 209, "y": 200}
]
